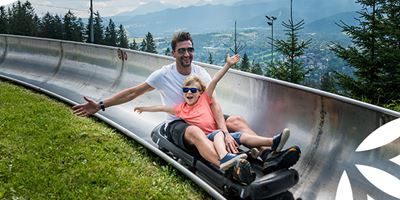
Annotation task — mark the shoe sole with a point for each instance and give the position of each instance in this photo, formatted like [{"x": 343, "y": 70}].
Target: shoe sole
[
  {"x": 289, "y": 159},
  {"x": 284, "y": 138},
  {"x": 254, "y": 153},
  {"x": 228, "y": 164},
  {"x": 244, "y": 174}
]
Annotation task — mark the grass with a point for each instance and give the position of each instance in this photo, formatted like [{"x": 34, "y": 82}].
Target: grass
[{"x": 48, "y": 153}]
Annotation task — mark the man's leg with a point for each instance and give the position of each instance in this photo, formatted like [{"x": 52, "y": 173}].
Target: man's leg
[
  {"x": 195, "y": 136},
  {"x": 238, "y": 124}
]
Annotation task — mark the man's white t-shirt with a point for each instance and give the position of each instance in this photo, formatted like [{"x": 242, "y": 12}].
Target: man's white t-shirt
[{"x": 168, "y": 81}]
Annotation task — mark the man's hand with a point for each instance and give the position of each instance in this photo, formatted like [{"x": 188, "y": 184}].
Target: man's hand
[
  {"x": 86, "y": 109},
  {"x": 231, "y": 145}
]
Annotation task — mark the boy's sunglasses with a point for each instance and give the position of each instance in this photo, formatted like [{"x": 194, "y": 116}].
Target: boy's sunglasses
[
  {"x": 183, "y": 50},
  {"x": 192, "y": 90}
]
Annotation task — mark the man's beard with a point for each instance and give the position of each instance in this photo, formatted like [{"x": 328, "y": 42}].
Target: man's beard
[{"x": 184, "y": 64}]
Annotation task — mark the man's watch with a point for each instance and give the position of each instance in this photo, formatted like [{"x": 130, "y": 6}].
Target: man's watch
[{"x": 103, "y": 108}]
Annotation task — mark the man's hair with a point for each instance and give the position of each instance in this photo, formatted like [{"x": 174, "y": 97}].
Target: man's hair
[
  {"x": 194, "y": 79},
  {"x": 180, "y": 37}
]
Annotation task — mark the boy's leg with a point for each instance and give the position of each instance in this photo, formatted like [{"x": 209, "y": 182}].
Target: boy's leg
[
  {"x": 195, "y": 136},
  {"x": 219, "y": 144},
  {"x": 227, "y": 160},
  {"x": 187, "y": 137}
]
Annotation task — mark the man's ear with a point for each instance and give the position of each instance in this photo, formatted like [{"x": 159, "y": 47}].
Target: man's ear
[{"x": 173, "y": 53}]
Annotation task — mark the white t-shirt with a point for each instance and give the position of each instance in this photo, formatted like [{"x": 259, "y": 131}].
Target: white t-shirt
[{"x": 168, "y": 81}]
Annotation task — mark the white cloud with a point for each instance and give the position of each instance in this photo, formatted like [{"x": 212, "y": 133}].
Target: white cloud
[
  {"x": 81, "y": 8},
  {"x": 5, "y": 2}
]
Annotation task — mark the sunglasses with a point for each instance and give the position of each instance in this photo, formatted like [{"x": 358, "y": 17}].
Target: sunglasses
[
  {"x": 183, "y": 50},
  {"x": 192, "y": 90}
]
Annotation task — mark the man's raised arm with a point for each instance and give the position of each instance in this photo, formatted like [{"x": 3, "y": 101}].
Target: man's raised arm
[{"x": 91, "y": 106}]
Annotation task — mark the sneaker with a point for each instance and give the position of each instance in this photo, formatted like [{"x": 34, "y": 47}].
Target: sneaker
[
  {"x": 241, "y": 172},
  {"x": 279, "y": 140},
  {"x": 281, "y": 160},
  {"x": 229, "y": 160}
]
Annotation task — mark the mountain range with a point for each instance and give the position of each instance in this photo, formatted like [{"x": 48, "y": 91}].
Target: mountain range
[{"x": 164, "y": 19}]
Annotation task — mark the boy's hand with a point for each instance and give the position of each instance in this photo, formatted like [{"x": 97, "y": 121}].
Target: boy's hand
[
  {"x": 138, "y": 110},
  {"x": 232, "y": 60}
]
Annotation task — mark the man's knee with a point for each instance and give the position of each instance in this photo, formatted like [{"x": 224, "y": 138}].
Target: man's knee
[{"x": 235, "y": 120}]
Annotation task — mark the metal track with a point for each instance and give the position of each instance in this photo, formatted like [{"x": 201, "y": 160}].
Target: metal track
[{"x": 327, "y": 127}]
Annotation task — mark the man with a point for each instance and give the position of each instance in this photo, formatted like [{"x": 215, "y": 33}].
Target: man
[{"x": 169, "y": 81}]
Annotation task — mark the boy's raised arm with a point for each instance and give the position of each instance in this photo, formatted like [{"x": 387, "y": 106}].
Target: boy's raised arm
[{"x": 230, "y": 61}]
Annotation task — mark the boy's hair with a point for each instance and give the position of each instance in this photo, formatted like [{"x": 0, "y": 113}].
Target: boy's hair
[
  {"x": 180, "y": 37},
  {"x": 193, "y": 79}
]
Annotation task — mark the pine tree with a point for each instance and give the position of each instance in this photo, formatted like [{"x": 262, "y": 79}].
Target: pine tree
[
  {"x": 245, "y": 64},
  {"x": 73, "y": 27},
  {"x": 98, "y": 29},
  {"x": 3, "y": 20},
  {"x": 291, "y": 68},
  {"x": 237, "y": 46},
  {"x": 150, "y": 44},
  {"x": 122, "y": 39},
  {"x": 143, "y": 45},
  {"x": 256, "y": 68},
  {"x": 133, "y": 45},
  {"x": 374, "y": 54},
  {"x": 51, "y": 27},
  {"x": 210, "y": 58},
  {"x": 328, "y": 82},
  {"x": 110, "y": 35},
  {"x": 23, "y": 20},
  {"x": 167, "y": 51}
]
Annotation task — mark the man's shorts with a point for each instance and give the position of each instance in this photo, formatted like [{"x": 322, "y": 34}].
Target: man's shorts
[
  {"x": 235, "y": 135},
  {"x": 175, "y": 132}
]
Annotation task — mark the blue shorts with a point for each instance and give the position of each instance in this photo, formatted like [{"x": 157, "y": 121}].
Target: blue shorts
[{"x": 235, "y": 135}]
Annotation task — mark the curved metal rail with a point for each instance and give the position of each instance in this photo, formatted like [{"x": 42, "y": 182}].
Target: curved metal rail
[{"x": 327, "y": 127}]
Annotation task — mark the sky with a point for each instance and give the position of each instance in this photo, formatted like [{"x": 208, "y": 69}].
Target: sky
[{"x": 106, "y": 7}]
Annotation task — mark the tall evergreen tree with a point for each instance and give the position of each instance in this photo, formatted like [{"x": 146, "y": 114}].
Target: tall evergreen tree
[
  {"x": 133, "y": 45},
  {"x": 51, "y": 27},
  {"x": 210, "y": 58},
  {"x": 328, "y": 82},
  {"x": 98, "y": 29},
  {"x": 3, "y": 20},
  {"x": 73, "y": 27},
  {"x": 256, "y": 68},
  {"x": 143, "y": 45},
  {"x": 150, "y": 44},
  {"x": 23, "y": 20},
  {"x": 122, "y": 39},
  {"x": 374, "y": 54},
  {"x": 167, "y": 52},
  {"x": 245, "y": 64},
  {"x": 110, "y": 36},
  {"x": 237, "y": 46},
  {"x": 291, "y": 68}
]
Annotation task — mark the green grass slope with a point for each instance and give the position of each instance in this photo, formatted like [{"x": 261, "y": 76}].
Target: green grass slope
[{"x": 48, "y": 153}]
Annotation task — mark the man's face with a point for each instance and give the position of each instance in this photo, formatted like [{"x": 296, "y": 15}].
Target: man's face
[{"x": 183, "y": 53}]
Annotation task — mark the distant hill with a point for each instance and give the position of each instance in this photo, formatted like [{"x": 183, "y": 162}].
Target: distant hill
[
  {"x": 213, "y": 18},
  {"x": 328, "y": 24},
  {"x": 150, "y": 7}
]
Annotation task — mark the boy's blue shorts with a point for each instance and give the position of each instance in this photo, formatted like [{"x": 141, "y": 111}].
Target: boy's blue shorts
[{"x": 235, "y": 135}]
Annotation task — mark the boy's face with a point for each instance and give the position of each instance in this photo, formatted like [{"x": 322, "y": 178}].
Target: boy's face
[
  {"x": 183, "y": 53},
  {"x": 191, "y": 96}
]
